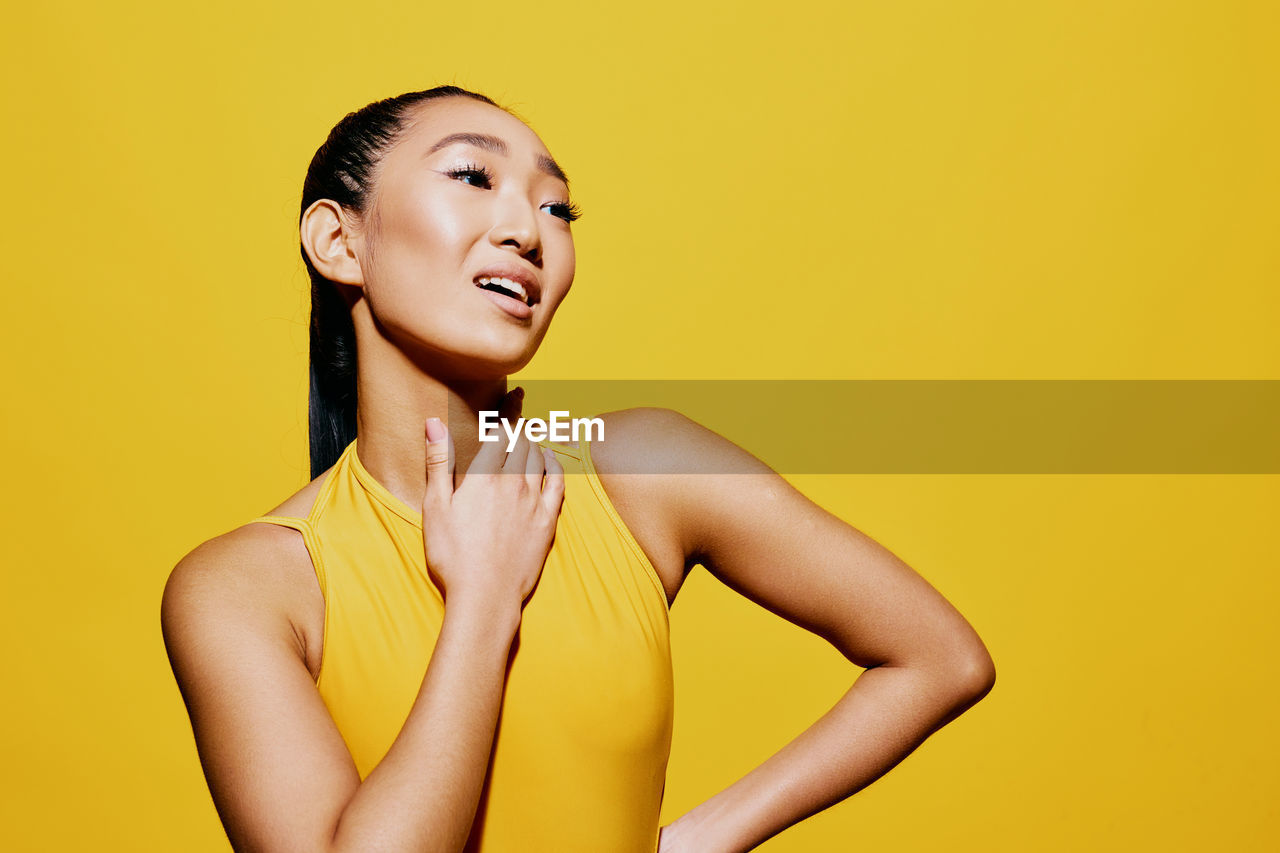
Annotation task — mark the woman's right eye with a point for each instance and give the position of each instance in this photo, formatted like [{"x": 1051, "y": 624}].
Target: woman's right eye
[{"x": 476, "y": 176}]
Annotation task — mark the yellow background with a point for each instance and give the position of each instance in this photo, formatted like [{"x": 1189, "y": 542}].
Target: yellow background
[{"x": 822, "y": 190}]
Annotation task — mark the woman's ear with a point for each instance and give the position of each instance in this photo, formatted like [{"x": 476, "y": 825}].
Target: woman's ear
[{"x": 329, "y": 238}]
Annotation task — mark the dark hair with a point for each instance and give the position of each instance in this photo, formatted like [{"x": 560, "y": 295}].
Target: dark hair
[{"x": 343, "y": 170}]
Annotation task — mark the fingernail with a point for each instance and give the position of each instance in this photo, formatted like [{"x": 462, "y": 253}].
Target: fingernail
[{"x": 435, "y": 429}]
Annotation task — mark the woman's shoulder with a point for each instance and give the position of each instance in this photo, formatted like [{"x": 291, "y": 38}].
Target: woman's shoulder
[
  {"x": 638, "y": 460},
  {"x": 270, "y": 545},
  {"x": 644, "y": 463},
  {"x": 257, "y": 573},
  {"x": 299, "y": 504}
]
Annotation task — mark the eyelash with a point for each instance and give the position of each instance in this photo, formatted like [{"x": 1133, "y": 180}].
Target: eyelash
[{"x": 569, "y": 211}]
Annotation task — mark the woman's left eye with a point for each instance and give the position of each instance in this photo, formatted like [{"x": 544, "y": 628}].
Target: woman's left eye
[{"x": 568, "y": 211}]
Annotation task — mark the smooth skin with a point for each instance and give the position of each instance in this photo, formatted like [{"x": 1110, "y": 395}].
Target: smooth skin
[{"x": 243, "y": 615}]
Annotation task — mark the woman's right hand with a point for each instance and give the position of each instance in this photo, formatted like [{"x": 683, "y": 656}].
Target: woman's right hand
[{"x": 488, "y": 539}]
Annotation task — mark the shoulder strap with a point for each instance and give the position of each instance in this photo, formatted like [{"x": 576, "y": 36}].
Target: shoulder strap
[
  {"x": 308, "y": 536},
  {"x": 298, "y": 524}
]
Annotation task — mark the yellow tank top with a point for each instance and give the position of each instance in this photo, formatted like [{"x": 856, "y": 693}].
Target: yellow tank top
[{"x": 580, "y": 754}]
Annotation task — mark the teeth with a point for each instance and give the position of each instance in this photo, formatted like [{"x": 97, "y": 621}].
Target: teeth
[{"x": 513, "y": 286}]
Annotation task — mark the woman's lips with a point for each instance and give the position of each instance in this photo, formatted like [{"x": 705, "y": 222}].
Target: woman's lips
[{"x": 510, "y": 304}]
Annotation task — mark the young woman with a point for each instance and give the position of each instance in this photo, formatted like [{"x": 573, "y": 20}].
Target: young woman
[{"x": 467, "y": 648}]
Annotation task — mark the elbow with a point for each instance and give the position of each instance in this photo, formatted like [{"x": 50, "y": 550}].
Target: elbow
[
  {"x": 974, "y": 674},
  {"x": 968, "y": 668}
]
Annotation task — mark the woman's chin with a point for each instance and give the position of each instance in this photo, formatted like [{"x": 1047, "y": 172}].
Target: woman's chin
[
  {"x": 487, "y": 356},
  {"x": 486, "y": 364},
  {"x": 503, "y": 354}
]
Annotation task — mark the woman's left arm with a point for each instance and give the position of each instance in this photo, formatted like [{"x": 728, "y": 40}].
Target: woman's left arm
[{"x": 925, "y": 665}]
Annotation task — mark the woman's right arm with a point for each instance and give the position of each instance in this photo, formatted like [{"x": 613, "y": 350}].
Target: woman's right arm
[{"x": 278, "y": 769}]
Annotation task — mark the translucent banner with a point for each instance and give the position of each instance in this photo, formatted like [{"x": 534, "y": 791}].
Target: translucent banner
[{"x": 955, "y": 426}]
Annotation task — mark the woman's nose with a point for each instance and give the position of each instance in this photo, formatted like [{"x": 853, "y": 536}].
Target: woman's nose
[{"x": 518, "y": 228}]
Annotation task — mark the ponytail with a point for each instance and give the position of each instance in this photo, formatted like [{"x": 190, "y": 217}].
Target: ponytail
[{"x": 342, "y": 170}]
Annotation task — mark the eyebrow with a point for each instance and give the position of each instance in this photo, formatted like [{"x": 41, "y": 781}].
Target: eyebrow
[{"x": 497, "y": 146}]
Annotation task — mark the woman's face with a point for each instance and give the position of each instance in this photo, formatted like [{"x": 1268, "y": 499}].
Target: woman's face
[{"x": 468, "y": 203}]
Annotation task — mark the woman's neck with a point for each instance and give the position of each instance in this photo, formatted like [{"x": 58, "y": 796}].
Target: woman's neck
[{"x": 395, "y": 398}]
